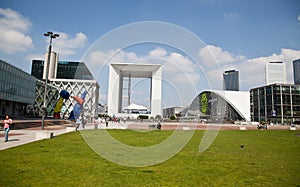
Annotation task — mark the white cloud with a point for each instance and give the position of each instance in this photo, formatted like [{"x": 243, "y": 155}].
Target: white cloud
[
  {"x": 101, "y": 58},
  {"x": 298, "y": 18},
  {"x": 13, "y": 28},
  {"x": 120, "y": 56},
  {"x": 252, "y": 71},
  {"x": 211, "y": 55},
  {"x": 31, "y": 57},
  {"x": 178, "y": 70},
  {"x": 177, "y": 64},
  {"x": 66, "y": 45},
  {"x": 288, "y": 56},
  {"x": 215, "y": 79},
  {"x": 13, "y": 20},
  {"x": 158, "y": 52},
  {"x": 97, "y": 60},
  {"x": 215, "y": 60},
  {"x": 181, "y": 73}
]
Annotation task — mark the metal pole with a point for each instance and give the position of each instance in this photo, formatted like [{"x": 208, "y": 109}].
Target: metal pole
[
  {"x": 46, "y": 84},
  {"x": 51, "y": 35}
]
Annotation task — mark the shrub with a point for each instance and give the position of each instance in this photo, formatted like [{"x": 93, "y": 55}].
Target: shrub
[
  {"x": 103, "y": 115},
  {"x": 172, "y": 118},
  {"x": 158, "y": 117},
  {"x": 143, "y": 117}
]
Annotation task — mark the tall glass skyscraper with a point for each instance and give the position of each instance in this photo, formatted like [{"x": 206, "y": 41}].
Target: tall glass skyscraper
[
  {"x": 231, "y": 80},
  {"x": 296, "y": 69}
]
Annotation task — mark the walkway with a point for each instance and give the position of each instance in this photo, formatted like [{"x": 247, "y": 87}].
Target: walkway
[{"x": 23, "y": 136}]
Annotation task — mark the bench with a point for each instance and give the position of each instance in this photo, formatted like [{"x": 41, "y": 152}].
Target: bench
[
  {"x": 43, "y": 135},
  {"x": 70, "y": 129},
  {"x": 243, "y": 128}
]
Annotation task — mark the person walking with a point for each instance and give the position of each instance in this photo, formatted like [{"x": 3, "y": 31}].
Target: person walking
[
  {"x": 6, "y": 123},
  {"x": 106, "y": 121}
]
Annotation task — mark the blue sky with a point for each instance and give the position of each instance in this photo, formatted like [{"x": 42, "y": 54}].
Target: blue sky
[{"x": 241, "y": 34}]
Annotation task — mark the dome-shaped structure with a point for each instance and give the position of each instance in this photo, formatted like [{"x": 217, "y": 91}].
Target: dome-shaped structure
[{"x": 220, "y": 105}]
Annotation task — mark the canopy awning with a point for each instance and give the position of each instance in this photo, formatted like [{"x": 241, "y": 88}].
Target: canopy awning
[{"x": 133, "y": 106}]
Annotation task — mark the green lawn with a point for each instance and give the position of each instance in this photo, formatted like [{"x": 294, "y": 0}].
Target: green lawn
[{"x": 269, "y": 158}]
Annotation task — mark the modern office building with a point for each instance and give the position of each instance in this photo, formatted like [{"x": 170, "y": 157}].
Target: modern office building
[
  {"x": 63, "y": 70},
  {"x": 17, "y": 90},
  {"x": 277, "y": 103},
  {"x": 73, "y": 77},
  {"x": 296, "y": 69},
  {"x": 231, "y": 80},
  {"x": 275, "y": 73},
  {"x": 221, "y": 106},
  {"x": 177, "y": 111}
]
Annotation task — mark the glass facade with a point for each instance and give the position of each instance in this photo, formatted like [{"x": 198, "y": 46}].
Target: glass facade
[
  {"x": 65, "y": 70},
  {"x": 278, "y": 103},
  {"x": 16, "y": 86},
  {"x": 296, "y": 69},
  {"x": 231, "y": 80},
  {"x": 213, "y": 107}
]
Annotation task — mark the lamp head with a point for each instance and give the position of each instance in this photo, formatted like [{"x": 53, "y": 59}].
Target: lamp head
[
  {"x": 48, "y": 33},
  {"x": 55, "y": 36},
  {"x": 51, "y": 35}
]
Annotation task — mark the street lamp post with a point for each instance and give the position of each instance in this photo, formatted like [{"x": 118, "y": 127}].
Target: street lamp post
[{"x": 51, "y": 35}]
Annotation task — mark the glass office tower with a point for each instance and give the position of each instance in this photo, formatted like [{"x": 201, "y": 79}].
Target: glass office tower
[
  {"x": 296, "y": 68},
  {"x": 231, "y": 80},
  {"x": 275, "y": 73}
]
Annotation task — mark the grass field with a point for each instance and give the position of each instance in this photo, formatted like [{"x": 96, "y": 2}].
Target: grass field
[{"x": 269, "y": 158}]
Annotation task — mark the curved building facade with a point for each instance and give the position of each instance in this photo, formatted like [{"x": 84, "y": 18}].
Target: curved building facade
[{"x": 219, "y": 105}]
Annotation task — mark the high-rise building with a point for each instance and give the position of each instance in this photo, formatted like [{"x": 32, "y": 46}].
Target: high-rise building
[
  {"x": 275, "y": 73},
  {"x": 52, "y": 65},
  {"x": 296, "y": 69},
  {"x": 231, "y": 80},
  {"x": 62, "y": 70}
]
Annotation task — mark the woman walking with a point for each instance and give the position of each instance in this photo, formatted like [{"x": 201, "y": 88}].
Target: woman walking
[{"x": 6, "y": 123}]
